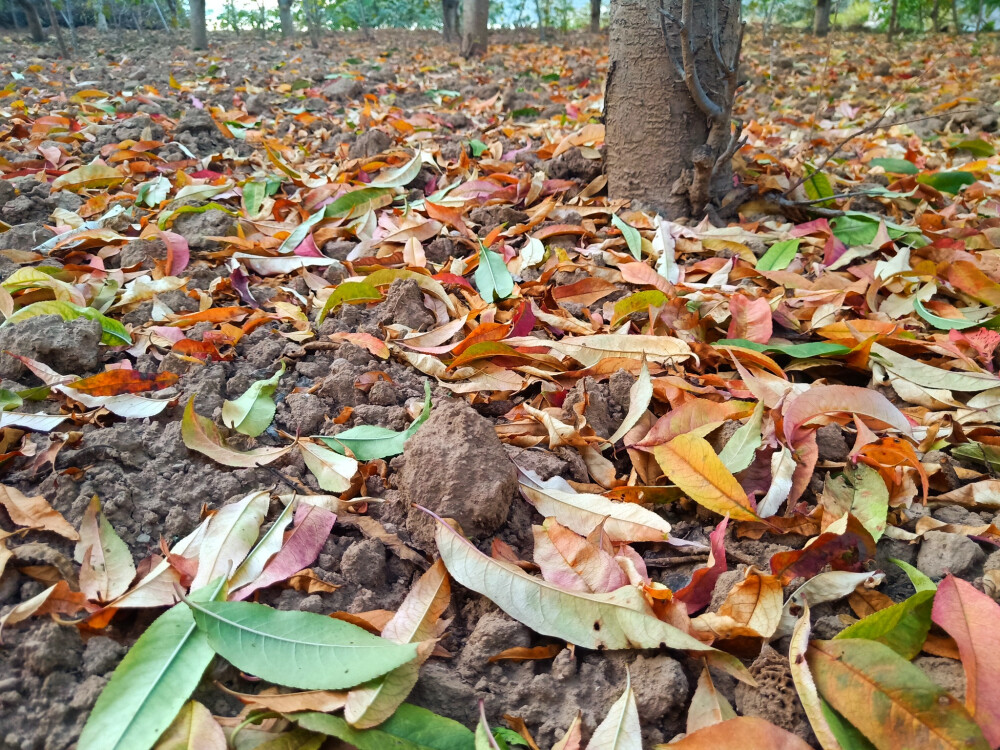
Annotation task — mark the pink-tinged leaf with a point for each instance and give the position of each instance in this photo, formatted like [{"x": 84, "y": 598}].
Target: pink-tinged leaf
[
  {"x": 366, "y": 341},
  {"x": 832, "y": 250},
  {"x": 816, "y": 226},
  {"x": 200, "y": 434},
  {"x": 178, "y": 252},
  {"x": 806, "y": 455},
  {"x": 574, "y": 563},
  {"x": 241, "y": 283},
  {"x": 304, "y": 543},
  {"x": 640, "y": 273},
  {"x": 751, "y": 319},
  {"x": 970, "y": 617},
  {"x": 699, "y": 416},
  {"x": 698, "y": 593},
  {"x": 524, "y": 320},
  {"x": 307, "y": 248},
  {"x": 843, "y": 399}
]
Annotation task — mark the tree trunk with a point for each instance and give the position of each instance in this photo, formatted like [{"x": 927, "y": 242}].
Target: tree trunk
[
  {"x": 935, "y": 16},
  {"x": 34, "y": 22},
  {"x": 541, "y": 13},
  {"x": 954, "y": 16},
  {"x": 312, "y": 22},
  {"x": 287, "y": 20},
  {"x": 199, "y": 32},
  {"x": 54, "y": 21},
  {"x": 449, "y": 16},
  {"x": 102, "y": 20},
  {"x": 595, "y": 16},
  {"x": 475, "y": 27},
  {"x": 668, "y": 102},
  {"x": 893, "y": 18},
  {"x": 821, "y": 18}
]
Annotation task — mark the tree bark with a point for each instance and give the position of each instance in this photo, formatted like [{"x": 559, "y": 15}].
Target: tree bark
[
  {"x": 287, "y": 20},
  {"x": 821, "y": 18},
  {"x": 936, "y": 16},
  {"x": 954, "y": 16},
  {"x": 54, "y": 21},
  {"x": 199, "y": 31},
  {"x": 893, "y": 18},
  {"x": 669, "y": 96},
  {"x": 34, "y": 22},
  {"x": 595, "y": 16},
  {"x": 449, "y": 17},
  {"x": 475, "y": 27}
]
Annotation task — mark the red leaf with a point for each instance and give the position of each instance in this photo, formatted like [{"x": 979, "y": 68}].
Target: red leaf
[
  {"x": 698, "y": 593},
  {"x": 845, "y": 551},
  {"x": 117, "y": 382}
]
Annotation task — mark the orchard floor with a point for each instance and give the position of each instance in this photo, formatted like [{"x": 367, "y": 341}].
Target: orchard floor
[{"x": 344, "y": 107}]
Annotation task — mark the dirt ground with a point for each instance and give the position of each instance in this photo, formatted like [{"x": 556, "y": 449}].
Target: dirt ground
[{"x": 152, "y": 486}]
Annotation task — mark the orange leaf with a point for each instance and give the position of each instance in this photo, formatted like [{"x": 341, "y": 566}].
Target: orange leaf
[
  {"x": 521, "y": 653},
  {"x": 117, "y": 382},
  {"x": 741, "y": 733}
]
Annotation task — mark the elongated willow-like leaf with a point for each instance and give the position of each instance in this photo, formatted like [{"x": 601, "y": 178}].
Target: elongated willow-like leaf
[
  {"x": 298, "y": 649},
  {"x": 410, "y": 728},
  {"x": 892, "y": 702},
  {"x": 620, "y": 729},
  {"x": 621, "y": 619},
  {"x": 153, "y": 681}
]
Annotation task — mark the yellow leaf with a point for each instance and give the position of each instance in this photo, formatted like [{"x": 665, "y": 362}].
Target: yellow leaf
[
  {"x": 691, "y": 464},
  {"x": 89, "y": 176}
]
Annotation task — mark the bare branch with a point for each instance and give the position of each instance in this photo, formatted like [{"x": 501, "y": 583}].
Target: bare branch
[{"x": 691, "y": 78}]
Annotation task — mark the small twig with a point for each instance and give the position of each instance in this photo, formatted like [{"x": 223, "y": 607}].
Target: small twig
[
  {"x": 295, "y": 484},
  {"x": 666, "y": 562}
]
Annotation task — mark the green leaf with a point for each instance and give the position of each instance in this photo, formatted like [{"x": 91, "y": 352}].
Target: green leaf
[
  {"x": 818, "y": 186},
  {"x": 737, "y": 454},
  {"x": 477, "y": 148},
  {"x": 115, "y": 334},
  {"x": 492, "y": 277},
  {"x": 895, "y": 166},
  {"x": 870, "y": 503},
  {"x": 252, "y": 412},
  {"x": 920, "y": 581},
  {"x": 846, "y": 734},
  {"x": 779, "y": 256},
  {"x": 942, "y": 323},
  {"x": 357, "y": 202},
  {"x": 152, "y": 682},
  {"x": 166, "y": 216},
  {"x": 297, "y": 649},
  {"x": 253, "y": 197},
  {"x": 902, "y": 627},
  {"x": 798, "y": 351},
  {"x": 976, "y": 147},
  {"x": 631, "y": 234},
  {"x": 9, "y": 400},
  {"x": 509, "y": 736},
  {"x": 410, "y": 728},
  {"x": 638, "y": 302},
  {"x": 297, "y": 235},
  {"x": 368, "y": 442},
  {"x": 349, "y": 293},
  {"x": 947, "y": 182},
  {"x": 858, "y": 228},
  {"x": 981, "y": 452}
]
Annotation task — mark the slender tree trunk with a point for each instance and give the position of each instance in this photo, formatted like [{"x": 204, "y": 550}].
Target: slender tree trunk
[
  {"x": 954, "y": 17},
  {"x": 199, "y": 31},
  {"x": 449, "y": 16},
  {"x": 34, "y": 22},
  {"x": 893, "y": 18},
  {"x": 312, "y": 22},
  {"x": 102, "y": 20},
  {"x": 821, "y": 18},
  {"x": 287, "y": 20},
  {"x": 475, "y": 27},
  {"x": 540, "y": 13},
  {"x": 668, "y": 102},
  {"x": 936, "y": 16},
  {"x": 159, "y": 12},
  {"x": 595, "y": 16},
  {"x": 54, "y": 21}
]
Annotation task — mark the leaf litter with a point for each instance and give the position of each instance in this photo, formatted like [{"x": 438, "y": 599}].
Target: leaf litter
[{"x": 672, "y": 464}]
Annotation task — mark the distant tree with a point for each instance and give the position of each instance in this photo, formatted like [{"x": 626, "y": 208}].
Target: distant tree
[
  {"x": 199, "y": 29},
  {"x": 595, "y": 16},
  {"x": 286, "y": 18},
  {"x": 475, "y": 27},
  {"x": 669, "y": 97},
  {"x": 449, "y": 16},
  {"x": 821, "y": 17},
  {"x": 34, "y": 22}
]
